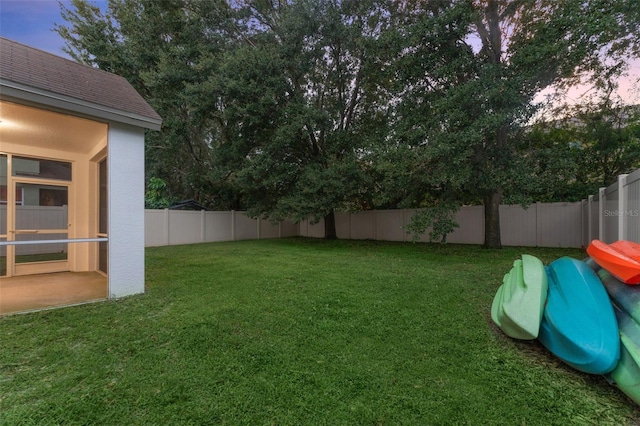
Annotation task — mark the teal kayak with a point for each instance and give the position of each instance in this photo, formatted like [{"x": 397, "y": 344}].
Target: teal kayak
[
  {"x": 579, "y": 325},
  {"x": 519, "y": 302}
]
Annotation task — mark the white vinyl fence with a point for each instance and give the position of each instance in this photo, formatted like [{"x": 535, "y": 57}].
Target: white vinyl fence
[
  {"x": 547, "y": 225},
  {"x": 541, "y": 224},
  {"x": 613, "y": 214},
  {"x": 170, "y": 227}
]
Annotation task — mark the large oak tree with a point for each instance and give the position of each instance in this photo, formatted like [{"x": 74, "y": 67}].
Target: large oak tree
[
  {"x": 167, "y": 49},
  {"x": 306, "y": 99},
  {"x": 293, "y": 109},
  {"x": 471, "y": 70}
]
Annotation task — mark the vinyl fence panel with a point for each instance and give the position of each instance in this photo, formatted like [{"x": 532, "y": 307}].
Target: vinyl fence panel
[
  {"x": 610, "y": 213},
  {"x": 363, "y": 225},
  {"x": 540, "y": 224},
  {"x": 343, "y": 225},
  {"x": 289, "y": 229},
  {"x": 390, "y": 225},
  {"x": 218, "y": 226},
  {"x": 185, "y": 227},
  {"x": 156, "y": 228},
  {"x": 171, "y": 227},
  {"x": 307, "y": 229},
  {"x": 595, "y": 217},
  {"x": 633, "y": 206},
  {"x": 559, "y": 225},
  {"x": 268, "y": 229},
  {"x": 518, "y": 225},
  {"x": 471, "y": 229}
]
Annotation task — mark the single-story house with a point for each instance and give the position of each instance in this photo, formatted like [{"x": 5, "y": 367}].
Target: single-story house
[{"x": 71, "y": 181}]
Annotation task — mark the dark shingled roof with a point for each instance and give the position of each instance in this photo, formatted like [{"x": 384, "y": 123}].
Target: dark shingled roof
[{"x": 44, "y": 71}]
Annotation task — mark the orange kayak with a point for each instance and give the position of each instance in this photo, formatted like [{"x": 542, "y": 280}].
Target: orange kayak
[{"x": 621, "y": 259}]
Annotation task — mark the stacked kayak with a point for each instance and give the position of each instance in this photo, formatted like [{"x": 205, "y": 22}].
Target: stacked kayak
[
  {"x": 519, "y": 302},
  {"x": 626, "y": 303},
  {"x": 587, "y": 313},
  {"x": 564, "y": 306},
  {"x": 579, "y": 325},
  {"x": 621, "y": 259}
]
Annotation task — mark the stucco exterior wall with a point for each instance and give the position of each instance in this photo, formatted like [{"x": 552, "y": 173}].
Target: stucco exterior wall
[{"x": 125, "y": 162}]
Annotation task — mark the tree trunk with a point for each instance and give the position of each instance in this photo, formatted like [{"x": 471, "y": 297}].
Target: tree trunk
[
  {"x": 330, "y": 226},
  {"x": 492, "y": 219}
]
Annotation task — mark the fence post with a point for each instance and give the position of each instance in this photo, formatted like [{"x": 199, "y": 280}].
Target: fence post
[
  {"x": 590, "y": 235},
  {"x": 375, "y": 225},
  {"x": 622, "y": 207},
  {"x": 233, "y": 225},
  {"x": 258, "y": 227},
  {"x": 167, "y": 239},
  {"x": 537, "y": 224},
  {"x": 203, "y": 224},
  {"x": 602, "y": 198},
  {"x": 585, "y": 220}
]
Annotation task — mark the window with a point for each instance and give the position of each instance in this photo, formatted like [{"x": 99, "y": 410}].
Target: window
[{"x": 43, "y": 169}]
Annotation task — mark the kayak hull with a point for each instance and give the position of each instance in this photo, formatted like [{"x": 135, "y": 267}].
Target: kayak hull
[
  {"x": 626, "y": 297},
  {"x": 579, "y": 325},
  {"x": 621, "y": 259},
  {"x": 626, "y": 374},
  {"x": 518, "y": 305},
  {"x": 626, "y": 304}
]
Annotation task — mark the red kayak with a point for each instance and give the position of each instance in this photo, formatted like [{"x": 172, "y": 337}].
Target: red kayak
[{"x": 621, "y": 259}]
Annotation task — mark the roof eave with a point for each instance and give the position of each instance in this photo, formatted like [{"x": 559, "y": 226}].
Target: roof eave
[{"x": 11, "y": 89}]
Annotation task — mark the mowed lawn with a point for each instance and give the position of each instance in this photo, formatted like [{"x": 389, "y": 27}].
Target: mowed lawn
[{"x": 298, "y": 332}]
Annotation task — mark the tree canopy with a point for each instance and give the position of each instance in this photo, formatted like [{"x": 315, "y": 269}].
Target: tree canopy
[
  {"x": 471, "y": 71},
  {"x": 293, "y": 109},
  {"x": 584, "y": 150},
  {"x": 168, "y": 50},
  {"x": 309, "y": 101}
]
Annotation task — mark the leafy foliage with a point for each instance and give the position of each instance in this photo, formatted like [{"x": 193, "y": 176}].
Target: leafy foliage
[
  {"x": 293, "y": 109},
  {"x": 586, "y": 150},
  {"x": 306, "y": 101},
  {"x": 167, "y": 50},
  {"x": 438, "y": 219},
  {"x": 470, "y": 72},
  {"x": 155, "y": 196}
]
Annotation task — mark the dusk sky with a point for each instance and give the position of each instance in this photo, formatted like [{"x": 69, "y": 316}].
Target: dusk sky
[{"x": 31, "y": 22}]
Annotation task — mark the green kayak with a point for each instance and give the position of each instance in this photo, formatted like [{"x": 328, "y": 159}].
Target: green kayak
[
  {"x": 626, "y": 375},
  {"x": 519, "y": 302},
  {"x": 626, "y": 304}
]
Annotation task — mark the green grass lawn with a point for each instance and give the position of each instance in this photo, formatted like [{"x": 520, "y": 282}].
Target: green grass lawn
[{"x": 298, "y": 332}]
